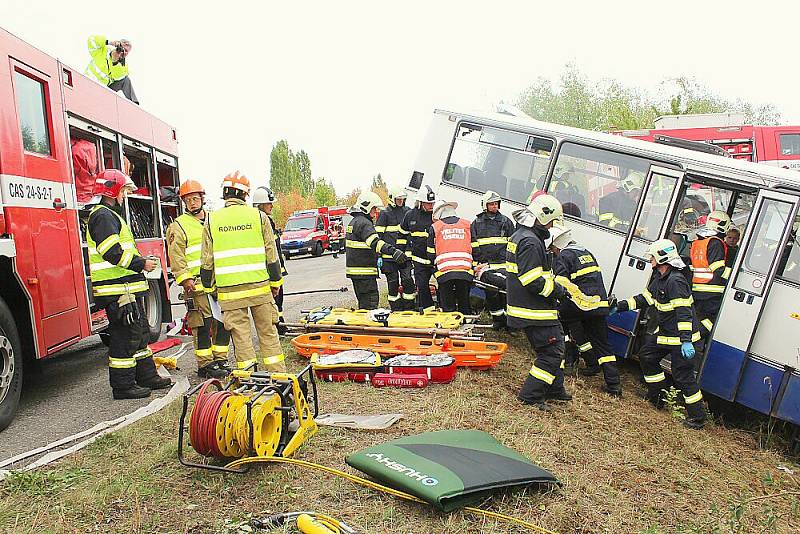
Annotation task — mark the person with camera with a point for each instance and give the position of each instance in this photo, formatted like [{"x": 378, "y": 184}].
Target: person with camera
[
  {"x": 184, "y": 241},
  {"x": 109, "y": 64},
  {"x": 118, "y": 286}
]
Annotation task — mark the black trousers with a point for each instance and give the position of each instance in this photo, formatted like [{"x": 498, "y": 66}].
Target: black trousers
[
  {"x": 366, "y": 290},
  {"x": 126, "y": 87},
  {"x": 454, "y": 296},
  {"x": 129, "y": 359},
  {"x": 547, "y": 373},
  {"x": 422, "y": 277},
  {"x": 683, "y": 375},
  {"x": 395, "y": 276},
  {"x": 212, "y": 336},
  {"x": 279, "y": 303},
  {"x": 590, "y": 335},
  {"x": 707, "y": 311}
]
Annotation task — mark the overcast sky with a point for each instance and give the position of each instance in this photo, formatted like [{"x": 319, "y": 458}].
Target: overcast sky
[{"x": 354, "y": 83}]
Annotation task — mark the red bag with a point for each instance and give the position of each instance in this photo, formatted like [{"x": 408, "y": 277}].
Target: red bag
[
  {"x": 84, "y": 163},
  {"x": 399, "y": 381}
]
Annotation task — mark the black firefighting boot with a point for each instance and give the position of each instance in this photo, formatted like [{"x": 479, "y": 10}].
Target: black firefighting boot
[
  {"x": 133, "y": 392},
  {"x": 697, "y": 416},
  {"x": 615, "y": 390},
  {"x": 212, "y": 370},
  {"x": 558, "y": 394},
  {"x": 532, "y": 393}
]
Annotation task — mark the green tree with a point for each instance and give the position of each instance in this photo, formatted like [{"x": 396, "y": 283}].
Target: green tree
[
  {"x": 284, "y": 175},
  {"x": 324, "y": 193},
  {"x": 302, "y": 164}
]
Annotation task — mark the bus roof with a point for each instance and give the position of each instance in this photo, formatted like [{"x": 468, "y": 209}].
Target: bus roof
[{"x": 752, "y": 173}]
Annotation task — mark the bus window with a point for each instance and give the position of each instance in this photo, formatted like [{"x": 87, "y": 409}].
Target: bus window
[
  {"x": 509, "y": 163},
  {"x": 697, "y": 202},
  {"x": 597, "y": 185},
  {"x": 789, "y": 267},
  {"x": 654, "y": 211},
  {"x": 763, "y": 245}
]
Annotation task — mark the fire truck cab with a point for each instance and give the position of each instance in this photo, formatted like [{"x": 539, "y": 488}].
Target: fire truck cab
[{"x": 48, "y": 108}]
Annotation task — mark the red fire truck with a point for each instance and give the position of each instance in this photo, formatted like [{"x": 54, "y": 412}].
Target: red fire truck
[
  {"x": 773, "y": 145},
  {"x": 313, "y": 231},
  {"x": 48, "y": 108}
]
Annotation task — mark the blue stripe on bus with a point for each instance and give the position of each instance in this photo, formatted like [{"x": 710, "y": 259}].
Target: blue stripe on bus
[
  {"x": 721, "y": 370},
  {"x": 759, "y": 386},
  {"x": 619, "y": 342},
  {"x": 789, "y": 409}
]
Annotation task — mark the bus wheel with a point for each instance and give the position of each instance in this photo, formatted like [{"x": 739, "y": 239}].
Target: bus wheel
[
  {"x": 152, "y": 309},
  {"x": 10, "y": 366}
]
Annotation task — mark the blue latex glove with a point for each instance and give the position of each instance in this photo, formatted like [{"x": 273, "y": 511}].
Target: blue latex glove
[
  {"x": 687, "y": 349},
  {"x": 380, "y": 263}
]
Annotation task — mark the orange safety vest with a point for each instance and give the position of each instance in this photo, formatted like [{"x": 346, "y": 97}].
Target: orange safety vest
[
  {"x": 453, "y": 247},
  {"x": 701, "y": 272}
]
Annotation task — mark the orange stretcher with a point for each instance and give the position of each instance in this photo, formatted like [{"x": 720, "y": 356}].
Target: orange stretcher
[
  {"x": 397, "y": 319},
  {"x": 467, "y": 353}
]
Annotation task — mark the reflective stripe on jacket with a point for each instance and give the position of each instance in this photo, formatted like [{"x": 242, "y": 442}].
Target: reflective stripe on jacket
[
  {"x": 489, "y": 238},
  {"x": 101, "y": 66},
  {"x": 113, "y": 275},
  {"x": 238, "y": 246},
  {"x": 709, "y": 270},
  {"x": 193, "y": 229},
  {"x": 579, "y": 265},
  {"x": 452, "y": 244},
  {"x": 415, "y": 229},
  {"x": 388, "y": 228}
]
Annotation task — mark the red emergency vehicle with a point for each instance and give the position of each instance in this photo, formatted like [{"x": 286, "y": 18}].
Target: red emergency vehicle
[
  {"x": 314, "y": 231},
  {"x": 773, "y": 145},
  {"x": 48, "y": 110}
]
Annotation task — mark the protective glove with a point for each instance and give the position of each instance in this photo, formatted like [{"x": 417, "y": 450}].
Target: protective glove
[
  {"x": 687, "y": 349},
  {"x": 380, "y": 263},
  {"x": 399, "y": 257},
  {"x": 128, "y": 311}
]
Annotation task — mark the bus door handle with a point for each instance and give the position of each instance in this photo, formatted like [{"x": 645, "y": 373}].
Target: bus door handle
[{"x": 59, "y": 204}]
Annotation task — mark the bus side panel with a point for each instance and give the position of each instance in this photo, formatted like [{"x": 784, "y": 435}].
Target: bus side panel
[
  {"x": 721, "y": 370},
  {"x": 435, "y": 150},
  {"x": 789, "y": 408},
  {"x": 759, "y": 386}
]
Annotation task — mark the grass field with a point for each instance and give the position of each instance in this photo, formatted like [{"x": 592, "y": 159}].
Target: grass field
[{"x": 625, "y": 468}]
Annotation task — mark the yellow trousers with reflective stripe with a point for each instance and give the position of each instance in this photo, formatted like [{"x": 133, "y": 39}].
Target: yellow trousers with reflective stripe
[{"x": 264, "y": 318}]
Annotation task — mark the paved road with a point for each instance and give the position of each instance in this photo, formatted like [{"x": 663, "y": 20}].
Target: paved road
[{"x": 70, "y": 393}]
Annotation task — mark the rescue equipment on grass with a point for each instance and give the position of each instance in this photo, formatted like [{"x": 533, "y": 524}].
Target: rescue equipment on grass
[
  {"x": 467, "y": 353},
  {"x": 399, "y": 381},
  {"x": 400, "y": 319},
  {"x": 438, "y": 368},
  {"x": 449, "y": 468},
  {"x": 255, "y": 413},
  {"x": 307, "y": 522},
  {"x": 357, "y": 365}
]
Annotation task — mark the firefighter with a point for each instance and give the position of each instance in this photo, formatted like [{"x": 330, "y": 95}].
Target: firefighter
[
  {"x": 490, "y": 232},
  {"x": 364, "y": 247},
  {"x": 449, "y": 249},
  {"x": 415, "y": 228},
  {"x": 587, "y": 329},
  {"x": 532, "y": 300},
  {"x": 677, "y": 333},
  {"x": 108, "y": 64},
  {"x": 184, "y": 240},
  {"x": 388, "y": 228},
  {"x": 617, "y": 208},
  {"x": 710, "y": 271},
  {"x": 118, "y": 286},
  {"x": 732, "y": 237},
  {"x": 264, "y": 200},
  {"x": 240, "y": 263}
]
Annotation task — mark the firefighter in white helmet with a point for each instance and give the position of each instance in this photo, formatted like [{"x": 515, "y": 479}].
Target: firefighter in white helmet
[
  {"x": 388, "y": 228},
  {"x": 364, "y": 247},
  {"x": 490, "y": 232},
  {"x": 449, "y": 249},
  {"x": 533, "y": 300},
  {"x": 415, "y": 229},
  {"x": 710, "y": 270},
  {"x": 264, "y": 200},
  {"x": 678, "y": 331}
]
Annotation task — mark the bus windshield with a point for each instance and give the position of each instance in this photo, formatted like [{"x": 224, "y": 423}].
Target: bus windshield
[{"x": 300, "y": 223}]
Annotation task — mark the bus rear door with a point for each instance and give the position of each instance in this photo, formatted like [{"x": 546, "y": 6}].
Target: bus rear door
[{"x": 736, "y": 367}]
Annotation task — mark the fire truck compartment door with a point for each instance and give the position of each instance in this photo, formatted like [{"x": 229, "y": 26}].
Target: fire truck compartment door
[{"x": 745, "y": 300}]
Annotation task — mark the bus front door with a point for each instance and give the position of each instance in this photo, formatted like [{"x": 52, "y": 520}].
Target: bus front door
[{"x": 731, "y": 363}]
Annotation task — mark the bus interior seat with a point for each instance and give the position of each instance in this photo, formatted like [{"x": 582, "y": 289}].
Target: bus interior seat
[
  {"x": 476, "y": 179},
  {"x": 519, "y": 190},
  {"x": 498, "y": 184},
  {"x": 455, "y": 174}
]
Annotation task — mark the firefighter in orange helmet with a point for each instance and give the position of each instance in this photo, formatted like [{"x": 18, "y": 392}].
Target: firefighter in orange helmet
[
  {"x": 184, "y": 240},
  {"x": 239, "y": 262},
  {"x": 118, "y": 286}
]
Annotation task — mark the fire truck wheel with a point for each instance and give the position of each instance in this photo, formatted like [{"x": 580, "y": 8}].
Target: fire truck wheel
[
  {"x": 10, "y": 366},
  {"x": 152, "y": 310},
  {"x": 318, "y": 250}
]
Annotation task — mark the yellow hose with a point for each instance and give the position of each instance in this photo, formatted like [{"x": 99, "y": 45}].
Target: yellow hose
[{"x": 381, "y": 487}]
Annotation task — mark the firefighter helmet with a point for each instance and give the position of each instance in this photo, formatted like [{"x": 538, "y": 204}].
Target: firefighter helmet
[
  {"x": 236, "y": 180},
  {"x": 663, "y": 251},
  {"x": 367, "y": 201},
  {"x": 718, "y": 222},
  {"x": 634, "y": 180},
  {"x": 489, "y": 197},
  {"x": 263, "y": 195},
  {"x": 110, "y": 182},
  {"x": 396, "y": 192},
  {"x": 442, "y": 207},
  {"x": 560, "y": 236},
  {"x": 189, "y": 187},
  {"x": 546, "y": 209},
  {"x": 426, "y": 194}
]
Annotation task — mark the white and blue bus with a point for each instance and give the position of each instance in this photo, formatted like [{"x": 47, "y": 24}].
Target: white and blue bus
[{"x": 754, "y": 355}]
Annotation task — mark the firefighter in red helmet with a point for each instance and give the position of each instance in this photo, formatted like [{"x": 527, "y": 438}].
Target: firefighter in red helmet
[{"x": 118, "y": 286}]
